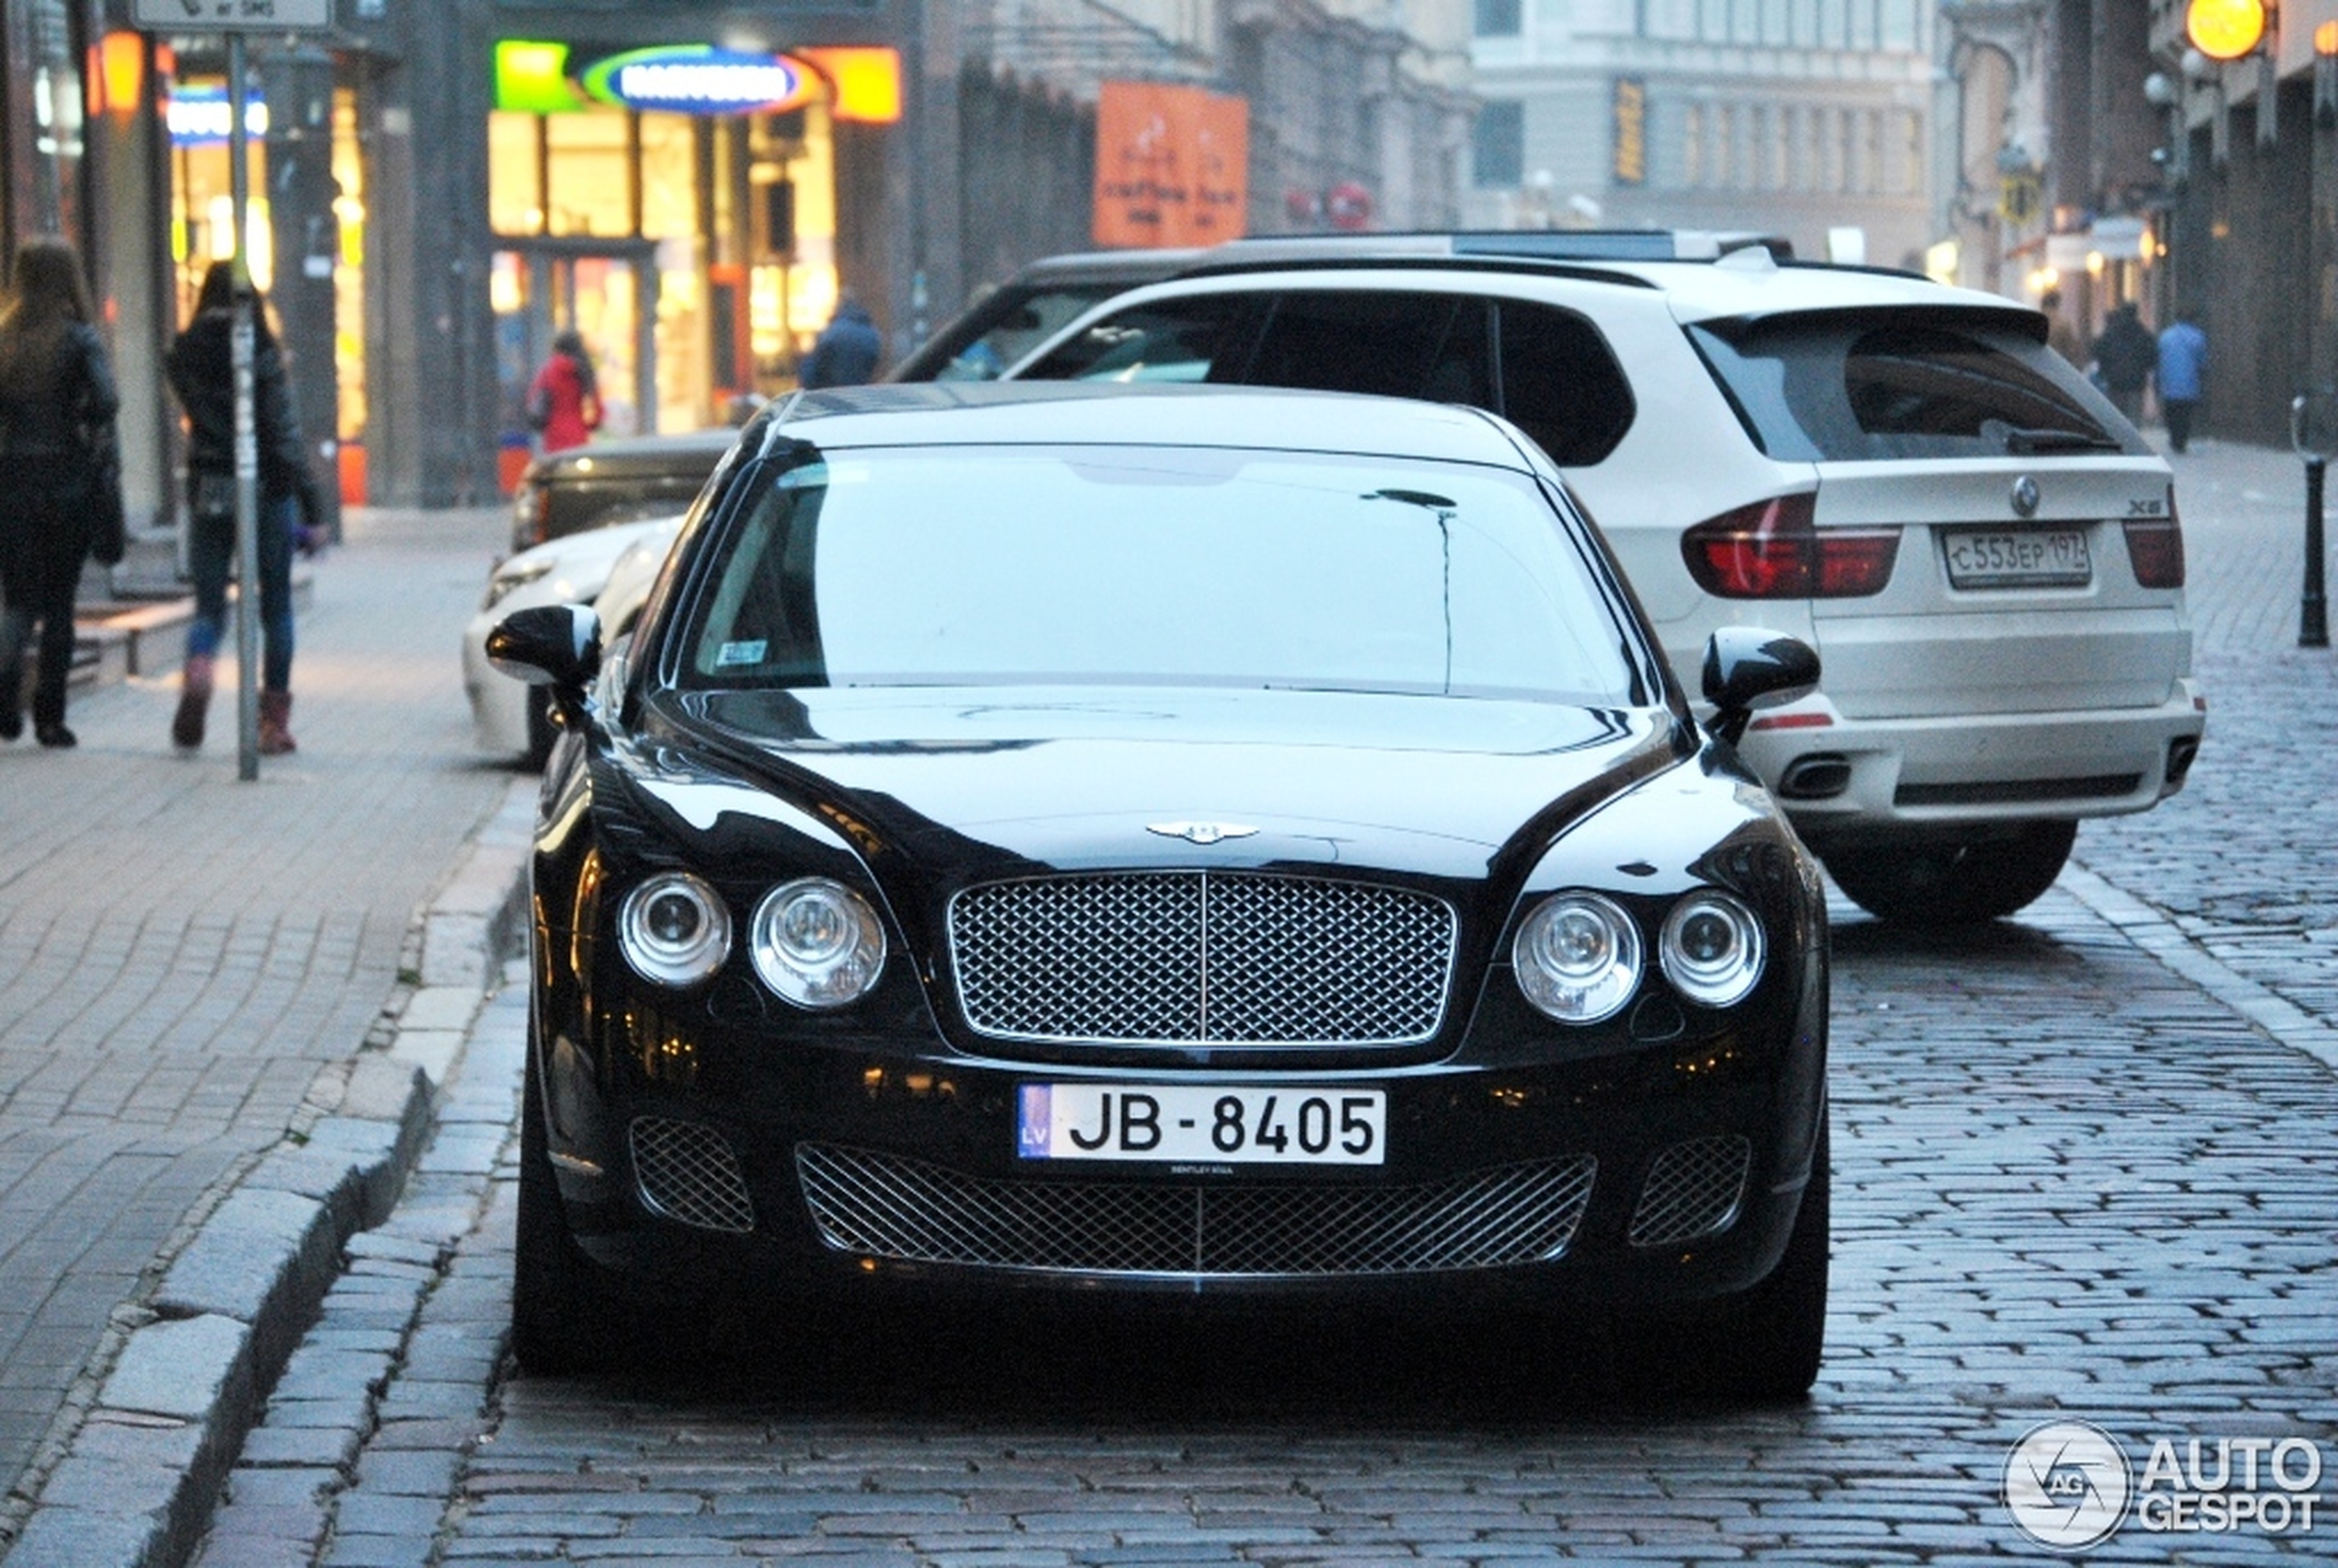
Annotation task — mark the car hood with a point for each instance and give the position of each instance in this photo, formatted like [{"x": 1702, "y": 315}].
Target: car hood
[
  {"x": 567, "y": 570},
  {"x": 1071, "y": 778}
]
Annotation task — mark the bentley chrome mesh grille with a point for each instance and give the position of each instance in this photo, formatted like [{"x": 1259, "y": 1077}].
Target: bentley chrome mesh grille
[
  {"x": 884, "y": 1207},
  {"x": 1202, "y": 958},
  {"x": 1693, "y": 1189},
  {"x": 687, "y": 1173}
]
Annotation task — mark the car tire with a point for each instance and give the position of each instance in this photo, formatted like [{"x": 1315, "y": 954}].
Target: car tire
[
  {"x": 1950, "y": 882},
  {"x": 1761, "y": 1345},
  {"x": 542, "y": 731},
  {"x": 565, "y": 1311}
]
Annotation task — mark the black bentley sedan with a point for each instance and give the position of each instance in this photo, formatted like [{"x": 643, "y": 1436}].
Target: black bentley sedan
[{"x": 1164, "y": 842}]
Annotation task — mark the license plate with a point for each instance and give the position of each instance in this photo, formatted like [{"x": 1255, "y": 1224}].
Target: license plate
[
  {"x": 1200, "y": 1124},
  {"x": 2018, "y": 557}
]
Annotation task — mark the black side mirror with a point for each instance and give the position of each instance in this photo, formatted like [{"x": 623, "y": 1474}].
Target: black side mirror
[
  {"x": 1747, "y": 668},
  {"x": 552, "y": 645}
]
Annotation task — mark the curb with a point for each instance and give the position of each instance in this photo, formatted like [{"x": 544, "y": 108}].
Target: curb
[
  {"x": 135, "y": 1461},
  {"x": 2153, "y": 932}
]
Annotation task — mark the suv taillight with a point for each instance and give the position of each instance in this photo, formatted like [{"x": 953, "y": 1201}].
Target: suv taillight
[
  {"x": 1771, "y": 550},
  {"x": 2154, "y": 547}
]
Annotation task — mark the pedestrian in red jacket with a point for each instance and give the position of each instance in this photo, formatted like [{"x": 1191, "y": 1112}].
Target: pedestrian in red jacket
[{"x": 565, "y": 400}]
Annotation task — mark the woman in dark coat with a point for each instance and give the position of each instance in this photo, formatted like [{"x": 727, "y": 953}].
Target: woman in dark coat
[
  {"x": 202, "y": 371},
  {"x": 56, "y": 393}
]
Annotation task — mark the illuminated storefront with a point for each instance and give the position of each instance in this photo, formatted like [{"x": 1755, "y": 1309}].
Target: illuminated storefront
[
  {"x": 196, "y": 117},
  {"x": 677, "y": 206},
  {"x": 436, "y": 189}
]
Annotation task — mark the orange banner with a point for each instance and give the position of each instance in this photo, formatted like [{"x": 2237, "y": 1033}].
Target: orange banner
[{"x": 1172, "y": 165}]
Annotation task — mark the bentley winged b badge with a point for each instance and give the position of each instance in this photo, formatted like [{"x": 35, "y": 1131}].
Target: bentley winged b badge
[{"x": 1200, "y": 831}]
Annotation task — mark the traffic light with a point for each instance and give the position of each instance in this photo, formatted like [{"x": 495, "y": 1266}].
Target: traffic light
[{"x": 2225, "y": 29}]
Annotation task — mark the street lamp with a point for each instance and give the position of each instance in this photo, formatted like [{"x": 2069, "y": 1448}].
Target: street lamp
[
  {"x": 2225, "y": 29},
  {"x": 2326, "y": 76}
]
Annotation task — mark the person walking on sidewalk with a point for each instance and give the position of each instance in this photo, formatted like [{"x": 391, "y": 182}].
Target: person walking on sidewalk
[
  {"x": 202, "y": 371},
  {"x": 2184, "y": 357},
  {"x": 2124, "y": 356},
  {"x": 847, "y": 351},
  {"x": 564, "y": 400},
  {"x": 57, "y": 404}
]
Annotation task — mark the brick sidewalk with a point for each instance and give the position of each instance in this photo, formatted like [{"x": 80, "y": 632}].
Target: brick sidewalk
[{"x": 180, "y": 953}]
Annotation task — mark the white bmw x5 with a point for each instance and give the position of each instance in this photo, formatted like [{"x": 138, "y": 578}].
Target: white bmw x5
[{"x": 1987, "y": 556}]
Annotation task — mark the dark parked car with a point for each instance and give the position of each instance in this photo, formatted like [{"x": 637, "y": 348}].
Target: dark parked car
[
  {"x": 593, "y": 486},
  {"x": 1181, "y": 843}
]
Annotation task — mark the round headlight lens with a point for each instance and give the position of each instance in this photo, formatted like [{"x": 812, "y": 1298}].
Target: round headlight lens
[
  {"x": 674, "y": 930},
  {"x": 1712, "y": 948},
  {"x": 1578, "y": 958},
  {"x": 816, "y": 942}
]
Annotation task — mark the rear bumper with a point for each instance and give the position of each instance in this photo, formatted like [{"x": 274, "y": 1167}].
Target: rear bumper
[{"x": 1841, "y": 777}]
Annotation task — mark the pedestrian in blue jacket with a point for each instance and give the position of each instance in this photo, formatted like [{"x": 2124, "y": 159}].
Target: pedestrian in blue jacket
[
  {"x": 2183, "y": 358},
  {"x": 847, "y": 351}
]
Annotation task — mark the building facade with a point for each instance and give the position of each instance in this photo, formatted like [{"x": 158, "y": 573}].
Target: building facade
[
  {"x": 1810, "y": 118},
  {"x": 2248, "y": 228},
  {"x": 2053, "y": 183},
  {"x": 438, "y": 186}
]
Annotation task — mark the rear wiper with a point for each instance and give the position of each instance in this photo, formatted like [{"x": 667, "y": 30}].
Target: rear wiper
[{"x": 2030, "y": 441}]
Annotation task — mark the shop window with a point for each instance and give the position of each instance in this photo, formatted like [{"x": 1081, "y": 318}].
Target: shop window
[
  {"x": 653, "y": 236},
  {"x": 1497, "y": 145},
  {"x": 202, "y": 228},
  {"x": 669, "y": 178},
  {"x": 348, "y": 283},
  {"x": 1500, "y": 19},
  {"x": 590, "y": 159},
  {"x": 514, "y": 188}
]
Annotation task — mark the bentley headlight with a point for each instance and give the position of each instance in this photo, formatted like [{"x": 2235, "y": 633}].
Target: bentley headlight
[
  {"x": 1578, "y": 957},
  {"x": 816, "y": 942},
  {"x": 674, "y": 930},
  {"x": 1712, "y": 948}
]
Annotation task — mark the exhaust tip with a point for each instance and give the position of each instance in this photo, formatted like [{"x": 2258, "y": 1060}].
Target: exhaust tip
[{"x": 1818, "y": 776}]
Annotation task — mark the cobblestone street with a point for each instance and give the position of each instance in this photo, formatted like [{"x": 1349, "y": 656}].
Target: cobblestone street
[{"x": 2087, "y": 1167}]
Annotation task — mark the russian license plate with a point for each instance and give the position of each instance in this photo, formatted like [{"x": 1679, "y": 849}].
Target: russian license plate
[
  {"x": 1200, "y": 1123},
  {"x": 2018, "y": 558}
]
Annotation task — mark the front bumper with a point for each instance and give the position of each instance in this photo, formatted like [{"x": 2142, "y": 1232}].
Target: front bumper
[{"x": 1672, "y": 1173}]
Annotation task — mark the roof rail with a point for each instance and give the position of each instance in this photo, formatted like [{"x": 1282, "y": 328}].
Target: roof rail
[{"x": 1526, "y": 265}]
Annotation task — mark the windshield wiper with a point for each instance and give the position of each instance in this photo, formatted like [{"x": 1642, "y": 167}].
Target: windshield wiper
[{"x": 2034, "y": 441}]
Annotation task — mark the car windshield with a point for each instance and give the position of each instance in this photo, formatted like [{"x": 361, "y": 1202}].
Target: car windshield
[
  {"x": 1148, "y": 565},
  {"x": 1850, "y": 388}
]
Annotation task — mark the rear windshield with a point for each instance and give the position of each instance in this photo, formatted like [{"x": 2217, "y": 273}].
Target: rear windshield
[{"x": 1853, "y": 387}]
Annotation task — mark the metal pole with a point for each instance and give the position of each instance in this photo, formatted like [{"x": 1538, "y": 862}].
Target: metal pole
[
  {"x": 2313, "y": 611},
  {"x": 242, "y": 348}
]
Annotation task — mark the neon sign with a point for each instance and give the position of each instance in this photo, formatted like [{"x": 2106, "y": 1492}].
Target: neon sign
[
  {"x": 202, "y": 117},
  {"x": 699, "y": 79},
  {"x": 544, "y": 78}
]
